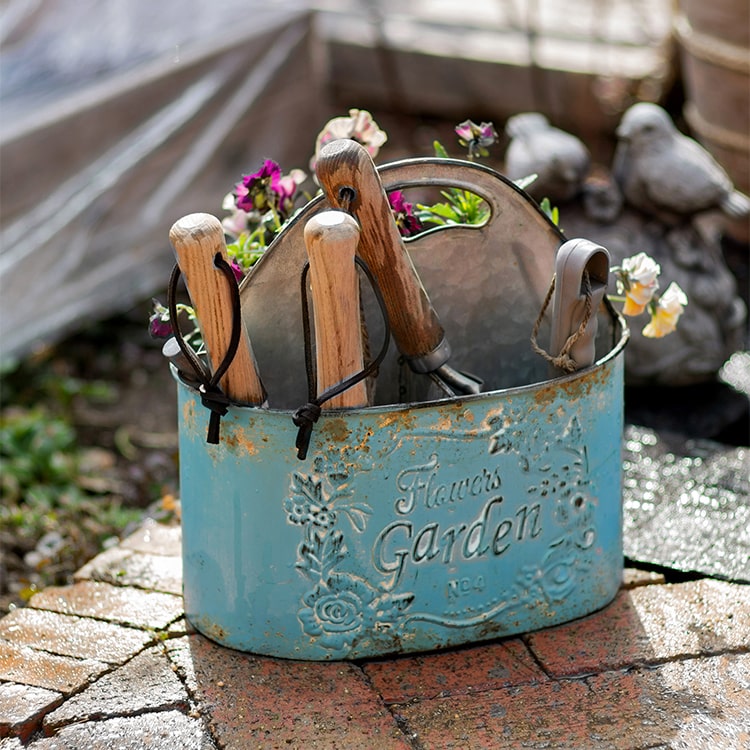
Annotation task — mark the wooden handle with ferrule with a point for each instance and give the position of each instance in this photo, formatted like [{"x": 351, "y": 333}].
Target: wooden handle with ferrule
[
  {"x": 197, "y": 239},
  {"x": 331, "y": 240},
  {"x": 342, "y": 165}
]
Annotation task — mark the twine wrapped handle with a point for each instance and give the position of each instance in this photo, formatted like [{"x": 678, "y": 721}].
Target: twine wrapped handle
[{"x": 563, "y": 360}]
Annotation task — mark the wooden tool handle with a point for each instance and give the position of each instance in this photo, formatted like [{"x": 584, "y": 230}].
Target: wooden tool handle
[
  {"x": 342, "y": 165},
  {"x": 331, "y": 240},
  {"x": 197, "y": 239}
]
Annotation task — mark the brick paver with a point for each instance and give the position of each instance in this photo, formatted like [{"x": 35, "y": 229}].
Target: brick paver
[
  {"x": 649, "y": 624},
  {"x": 664, "y": 666},
  {"x": 40, "y": 669},
  {"x": 466, "y": 670},
  {"x": 21, "y": 707},
  {"x": 166, "y": 730},
  {"x": 126, "y": 605},
  {"x": 124, "y": 567},
  {"x": 155, "y": 539},
  {"x": 146, "y": 683},
  {"x": 694, "y": 704},
  {"x": 67, "y": 635},
  {"x": 252, "y": 701}
]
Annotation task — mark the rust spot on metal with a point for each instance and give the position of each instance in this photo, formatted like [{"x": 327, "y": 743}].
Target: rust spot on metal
[
  {"x": 573, "y": 389},
  {"x": 404, "y": 419},
  {"x": 188, "y": 415},
  {"x": 364, "y": 445},
  {"x": 444, "y": 424},
  {"x": 209, "y": 628},
  {"x": 336, "y": 430},
  {"x": 240, "y": 440}
]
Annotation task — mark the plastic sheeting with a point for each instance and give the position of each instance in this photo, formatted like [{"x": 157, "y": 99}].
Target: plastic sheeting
[
  {"x": 685, "y": 504},
  {"x": 118, "y": 118}
]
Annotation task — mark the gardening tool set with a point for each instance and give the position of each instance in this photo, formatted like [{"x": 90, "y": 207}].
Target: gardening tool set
[{"x": 345, "y": 497}]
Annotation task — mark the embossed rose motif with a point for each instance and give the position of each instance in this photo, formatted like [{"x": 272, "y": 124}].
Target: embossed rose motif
[
  {"x": 555, "y": 578},
  {"x": 335, "y": 611},
  {"x": 558, "y": 576}
]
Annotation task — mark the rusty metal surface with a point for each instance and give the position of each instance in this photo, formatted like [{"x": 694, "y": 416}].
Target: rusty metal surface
[
  {"x": 411, "y": 526},
  {"x": 407, "y": 528}
]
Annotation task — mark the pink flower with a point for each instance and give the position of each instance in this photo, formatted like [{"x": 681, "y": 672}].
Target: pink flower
[
  {"x": 403, "y": 212},
  {"x": 359, "y": 127},
  {"x": 267, "y": 189},
  {"x": 286, "y": 190},
  {"x": 237, "y": 221},
  {"x": 239, "y": 274},
  {"x": 159, "y": 324},
  {"x": 666, "y": 312},
  {"x": 476, "y": 137},
  {"x": 255, "y": 192}
]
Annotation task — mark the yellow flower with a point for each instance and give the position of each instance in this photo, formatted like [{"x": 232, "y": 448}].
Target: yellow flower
[
  {"x": 666, "y": 312},
  {"x": 638, "y": 280}
]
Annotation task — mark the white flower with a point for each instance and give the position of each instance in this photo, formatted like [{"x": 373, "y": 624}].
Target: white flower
[
  {"x": 666, "y": 312},
  {"x": 638, "y": 280}
]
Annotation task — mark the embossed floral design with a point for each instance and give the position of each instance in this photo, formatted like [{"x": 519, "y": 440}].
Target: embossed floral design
[
  {"x": 306, "y": 503},
  {"x": 557, "y": 575},
  {"x": 554, "y": 579},
  {"x": 336, "y": 609},
  {"x": 561, "y": 471},
  {"x": 340, "y": 606}
]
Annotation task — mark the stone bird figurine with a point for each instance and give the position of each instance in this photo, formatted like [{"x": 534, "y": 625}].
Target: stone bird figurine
[
  {"x": 667, "y": 174},
  {"x": 559, "y": 159}
]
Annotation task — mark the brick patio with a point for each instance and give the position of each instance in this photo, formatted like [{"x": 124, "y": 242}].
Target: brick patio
[{"x": 110, "y": 662}]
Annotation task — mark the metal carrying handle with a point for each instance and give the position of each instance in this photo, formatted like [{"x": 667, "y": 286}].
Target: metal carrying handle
[{"x": 577, "y": 289}]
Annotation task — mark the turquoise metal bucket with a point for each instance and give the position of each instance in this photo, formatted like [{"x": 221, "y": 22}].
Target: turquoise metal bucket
[
  {"x": 407, "y": 528},
  {"x": 413, "y": 524}
]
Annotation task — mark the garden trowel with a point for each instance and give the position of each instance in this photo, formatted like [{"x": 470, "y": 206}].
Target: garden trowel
[
  {"x": 350, "y": 181},
  {"x": 487, "y": 280}
]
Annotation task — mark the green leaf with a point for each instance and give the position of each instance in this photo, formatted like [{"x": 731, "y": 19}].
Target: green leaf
[
  {"x": 445, "y": 210},
  {"x": 439, "y": 149},
  {"x": 552, "y": 212}
]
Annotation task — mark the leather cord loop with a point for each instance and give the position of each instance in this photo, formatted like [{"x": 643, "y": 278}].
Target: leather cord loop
[
  {"x": 212, "y": 397},
  {"x": 307, "y": 415}
]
